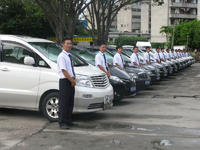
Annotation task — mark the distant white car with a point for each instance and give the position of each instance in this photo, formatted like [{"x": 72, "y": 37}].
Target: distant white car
[{"x": 29, "y": 80}]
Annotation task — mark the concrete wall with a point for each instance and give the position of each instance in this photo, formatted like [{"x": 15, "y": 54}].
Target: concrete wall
[
  {"x": 159, "y": 18},
  {"x": 144, "y": 18},
  {"x": 124, "y": 19}
]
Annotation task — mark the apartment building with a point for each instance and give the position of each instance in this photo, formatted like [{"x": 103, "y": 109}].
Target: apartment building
[
  {"x": 171, "y": 13},
  {"x": 145, "y": 18},
  {"x": 132, "y": 20}
]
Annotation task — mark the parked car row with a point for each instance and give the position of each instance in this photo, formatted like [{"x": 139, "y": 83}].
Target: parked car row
[
  {"x": 144, "y": 76},
  {"x": 29, "y": 78}
]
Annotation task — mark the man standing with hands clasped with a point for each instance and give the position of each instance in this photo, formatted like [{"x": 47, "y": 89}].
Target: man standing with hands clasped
[
  {"x": 118, "y": 60},
  {"x": 67, "y": 84},
  {"x": 147, "y": 57},
  {"x": 157, "y": 56},
  {"x": 135, "y": 60},
  {"x": 100, "y": 60}
]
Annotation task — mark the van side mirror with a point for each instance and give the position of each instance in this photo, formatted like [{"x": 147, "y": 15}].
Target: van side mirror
[{"x": 29, "y": 60}]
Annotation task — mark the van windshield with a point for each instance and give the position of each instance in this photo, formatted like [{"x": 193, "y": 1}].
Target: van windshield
[
  {"x": 52, "y": 50},
  {"x": 85, "y": 55}
]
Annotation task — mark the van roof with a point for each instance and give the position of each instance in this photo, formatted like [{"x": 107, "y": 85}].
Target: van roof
[
  {"x": 24, "y": 38},
  {"x": 140, "y": 44}
]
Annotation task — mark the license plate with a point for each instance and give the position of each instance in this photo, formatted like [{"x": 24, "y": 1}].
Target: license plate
[
  {"x": 107, "y": 100},
  {"x": 147, "y": 82},
  {"x": 133, "y": 89}
]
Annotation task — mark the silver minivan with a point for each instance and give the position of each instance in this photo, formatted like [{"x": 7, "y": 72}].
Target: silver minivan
[{"x": 29, "y": 80}]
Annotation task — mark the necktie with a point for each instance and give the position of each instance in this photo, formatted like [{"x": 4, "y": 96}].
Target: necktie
[
  {"x": 72, "y": 66},
  {"x": 159, "y": 57},
  {"x": 105, "y": 61},
  {"x": 149, "y": 58},
  {"x": 138, "y": 58},
  {"x": 122, "y": 59},
  {"x": 164, "y": 55}
]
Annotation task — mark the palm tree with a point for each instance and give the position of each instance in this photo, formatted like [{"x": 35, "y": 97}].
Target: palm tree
[{"x": 167, "y": 30}]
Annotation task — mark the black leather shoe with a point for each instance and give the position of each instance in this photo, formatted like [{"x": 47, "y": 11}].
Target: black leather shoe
[{"x": 65, "y": 126}]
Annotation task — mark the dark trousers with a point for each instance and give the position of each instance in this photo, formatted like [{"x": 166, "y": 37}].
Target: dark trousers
[{"x": 66, "y": 101}]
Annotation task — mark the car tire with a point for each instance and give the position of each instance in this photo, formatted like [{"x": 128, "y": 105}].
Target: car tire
[{"x": 50, "y": 106}]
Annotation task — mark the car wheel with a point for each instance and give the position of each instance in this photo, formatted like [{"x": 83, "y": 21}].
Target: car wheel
[{"x": 50, "y": 106}]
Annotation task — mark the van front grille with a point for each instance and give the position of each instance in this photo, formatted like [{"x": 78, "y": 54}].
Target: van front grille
[
  {"x": 100, "y": 81},
  {"x": 142, "y": 76}
]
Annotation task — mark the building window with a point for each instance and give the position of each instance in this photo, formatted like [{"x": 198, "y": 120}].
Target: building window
[{"x": 136, "y": 17}]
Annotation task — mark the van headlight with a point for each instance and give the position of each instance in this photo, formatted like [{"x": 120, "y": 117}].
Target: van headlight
[
  {"x": 133, "y": 75},
  {"x": 83, "y": 81},
  {"x": 149, "y": 73},
  {"x": 116, "y": 79}
]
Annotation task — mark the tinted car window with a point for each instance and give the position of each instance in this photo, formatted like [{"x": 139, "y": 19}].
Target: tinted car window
[
  {"x": 52, "y": 50},
  {"x": 85, "y": 55},
  {"x": 14, "y": 53}
]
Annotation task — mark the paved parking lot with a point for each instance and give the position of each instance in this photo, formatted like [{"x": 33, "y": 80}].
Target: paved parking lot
[{"x": 166, "y": 116}]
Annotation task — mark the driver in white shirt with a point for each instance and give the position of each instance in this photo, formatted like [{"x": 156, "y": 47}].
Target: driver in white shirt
[
  {"x": 162, "y": 55},
  {"x": 135, "y": 60},
  {"x": 157, "y": 57},
  {"x": 118, "y": 59},
  {"x": 147, "y": 57},
  {"x": 167, "y": 54}
]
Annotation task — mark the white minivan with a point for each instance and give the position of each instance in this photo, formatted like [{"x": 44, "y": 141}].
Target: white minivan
[{"x": 29, "y": 80}]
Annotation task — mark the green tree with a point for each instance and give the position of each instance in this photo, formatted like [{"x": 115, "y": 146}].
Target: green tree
[
  {"x": 188, "y": 33},
  {"x": 125, "y": 40},
  {"x": 168, "y": 31},
  {"x": 23, "y": 17}
]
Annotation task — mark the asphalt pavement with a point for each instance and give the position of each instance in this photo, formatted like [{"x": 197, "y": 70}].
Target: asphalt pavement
[{"x": 164, "y": 117}]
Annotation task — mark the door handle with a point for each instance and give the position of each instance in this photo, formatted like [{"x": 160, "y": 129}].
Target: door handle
[{"x": 4, "y": 69}]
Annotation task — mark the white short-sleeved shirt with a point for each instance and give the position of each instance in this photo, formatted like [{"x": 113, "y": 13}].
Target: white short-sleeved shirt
[
  {"x": 171, "y": 55},
  {"x": 182, "y": 54},
  {"x": 156, "y": 57},
  {"x": 175, "y": 54},
  {"x": 64, "y": 63},
  {"x": 99, "y": 60},
  {"x": 178, "y": 54},
  {"x": 167, "y": 55},
  {"x": 164, "y": 55},
  {"x": 134, "y": 58},
  {"x": 147, "y": 58},
  {"x": 118, "y": 60}
]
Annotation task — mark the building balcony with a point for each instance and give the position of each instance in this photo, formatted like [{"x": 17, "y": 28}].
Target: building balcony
[
  {"x": 184, "y": 16},
  {"x": 185, "y": 5}
]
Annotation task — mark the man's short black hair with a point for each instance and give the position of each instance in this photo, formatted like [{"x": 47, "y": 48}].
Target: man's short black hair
[
  {"x": 135, "y": 47},
  {"x": 102, "y": 44},
  {"x": 157, "y": 48},
  {"x": 66, "y": 38},
  {"x": 147, "y": 47},
  {"x": 118, "y": 47},
  {"x": 162, "y": 48}
]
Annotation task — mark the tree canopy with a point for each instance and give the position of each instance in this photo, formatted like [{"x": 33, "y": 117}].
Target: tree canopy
[
  {"x": 23, "y": 17},
  {"x": 125, "y": 40},
  {"x": 188, "y": 33}
]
